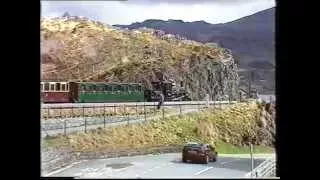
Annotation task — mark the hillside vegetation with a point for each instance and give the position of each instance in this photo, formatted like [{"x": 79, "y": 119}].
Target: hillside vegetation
[
  {"x": 228, "y": 129},
  {"x": 77, "y": 49}
]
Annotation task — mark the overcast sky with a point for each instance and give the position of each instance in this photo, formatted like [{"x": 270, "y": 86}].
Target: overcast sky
[{"x": 127, "y": 12}]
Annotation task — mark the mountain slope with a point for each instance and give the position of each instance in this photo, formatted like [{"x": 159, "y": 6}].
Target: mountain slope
[
  {"x": 77, "y": 49},
  {"x": 251, "y": 40}
]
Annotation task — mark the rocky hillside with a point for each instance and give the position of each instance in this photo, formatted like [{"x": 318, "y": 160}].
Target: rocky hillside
[
  {"x": 77, "y": 49},
  {"x": 251, "y": 40}
]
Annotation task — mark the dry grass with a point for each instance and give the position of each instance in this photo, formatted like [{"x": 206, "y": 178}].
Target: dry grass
[
  {"x": 84, "y": 50},
  {"x": 236, "y": 125},
  {"x": 94, "y": 111}
]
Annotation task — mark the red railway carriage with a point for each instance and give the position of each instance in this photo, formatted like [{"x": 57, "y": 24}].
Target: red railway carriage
[{"x": 58, "y": 92}]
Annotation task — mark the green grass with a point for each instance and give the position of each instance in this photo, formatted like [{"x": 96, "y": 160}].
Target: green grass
[
  {"x": 226, "y": 148},
  {"x": 221, "y": 147}
]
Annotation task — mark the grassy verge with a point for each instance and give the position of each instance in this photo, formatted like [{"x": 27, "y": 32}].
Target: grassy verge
[
  {"x": 229, "y": 130},
  {"x": 227, "y": 148},
  {"x": 96, "y": 112}
]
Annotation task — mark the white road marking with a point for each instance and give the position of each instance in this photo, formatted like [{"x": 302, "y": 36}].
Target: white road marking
[
  {"x": 78, "y": 174},
  {"x": 225, "y": 162},
  {"x": 62, "y": 169},
  {"x": 204, "y": 170}
]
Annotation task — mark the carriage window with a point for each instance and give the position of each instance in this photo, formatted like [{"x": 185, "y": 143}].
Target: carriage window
[
  {"x": 82, "y": 87},
  {"x": 67, "y": 87},
  {"x": 63, "y": 87},
  {"x": 46, "y": 86},
  {"x": 88, "y": 87},
  {"x": 139, "y": 89},
  {"x": 118, "y": 88},
  {"x": 93, "y": 87},
  {"x": 58, "y": 88},
  {"x": 130, "y": 88},
  {"x": 108, "y": 88},
  {"x": 134, "y": 88},
  {"x": 100, "y": 87},
  {"x": 41, "y": 87},
  {"x": 123, "y": 88},
  {"x": 51, "y": 87}
]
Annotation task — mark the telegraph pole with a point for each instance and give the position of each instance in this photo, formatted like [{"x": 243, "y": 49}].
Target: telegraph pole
[{"x": 251, "y": 156}]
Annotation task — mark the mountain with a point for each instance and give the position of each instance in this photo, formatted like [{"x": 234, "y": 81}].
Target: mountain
[
  {"x": 78, "y": 49},
  {"x": 251, "y": 39}
]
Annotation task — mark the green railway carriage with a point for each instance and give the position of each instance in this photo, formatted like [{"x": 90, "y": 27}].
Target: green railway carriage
[
  {"x": 99, "y": 92},
  {"x": 96, "y": 92}
]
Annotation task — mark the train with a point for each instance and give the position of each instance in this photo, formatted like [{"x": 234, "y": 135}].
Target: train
[{"x": 102, "y": 92}]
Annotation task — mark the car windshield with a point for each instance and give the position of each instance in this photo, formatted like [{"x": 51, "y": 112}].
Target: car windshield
[{"x": 193, "y": 145}]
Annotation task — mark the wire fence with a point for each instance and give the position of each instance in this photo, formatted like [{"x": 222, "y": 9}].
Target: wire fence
[
  {"x": 66, "y": 120},
  {"x": 265, "y": 169}
]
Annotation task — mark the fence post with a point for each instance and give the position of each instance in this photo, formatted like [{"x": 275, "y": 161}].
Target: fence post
[
  {"x": 85, "y": 120},
  {"x": 72, "y": 111},
  {"x": 48, "y": 115},
  {"x": 94, "y": 110},
  {"x": 137, "y": 110},
  {"x": 60, "y": 113},
  {"x": 65, "y": 127},
  {"x": 127, "y": 114},
  {"x": 144, "y": 110},
  {"x": 163, "y": 113},
  {"x": 214, "y": 104},
  {"x": 104, "y": 115},
  {"x": 114, "y": 109},
  {"x": 251, "y": 156},
  {"x": 180, "y": 110}
]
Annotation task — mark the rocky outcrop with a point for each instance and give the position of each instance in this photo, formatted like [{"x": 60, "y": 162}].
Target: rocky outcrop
[{"x": 77, "y": 49}]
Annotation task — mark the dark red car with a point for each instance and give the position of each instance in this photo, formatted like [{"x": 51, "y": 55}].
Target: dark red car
[{"x": 203, "y": 153}]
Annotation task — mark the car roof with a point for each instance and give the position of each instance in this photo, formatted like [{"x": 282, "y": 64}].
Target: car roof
[{"x": 192, "y": 143}]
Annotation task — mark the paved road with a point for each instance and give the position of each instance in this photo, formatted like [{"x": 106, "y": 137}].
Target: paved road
[
  {"x": 54, "y": 127},
  {"x": 158, "y": 166}
]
